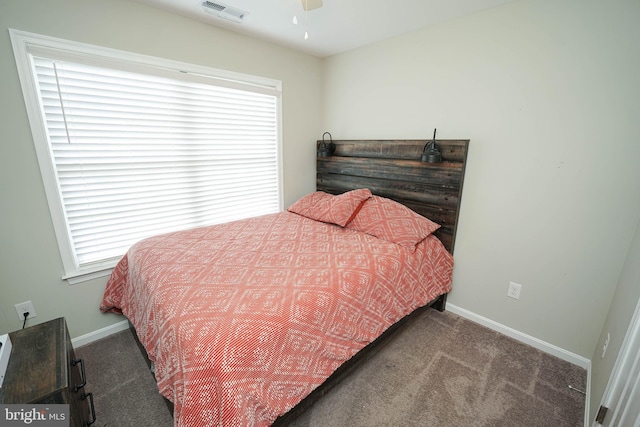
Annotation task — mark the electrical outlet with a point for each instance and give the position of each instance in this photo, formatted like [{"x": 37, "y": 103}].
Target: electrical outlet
[
  {"x": 514, "y": 290},
  {"x": 25, "y": 307},
  {"x": 606, "y": 345}
]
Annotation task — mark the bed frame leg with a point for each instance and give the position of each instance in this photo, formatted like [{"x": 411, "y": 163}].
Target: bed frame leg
[{"x": 440, "y": 303}]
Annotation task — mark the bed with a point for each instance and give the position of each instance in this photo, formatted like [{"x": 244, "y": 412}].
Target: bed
[{"x": 249, "y": 322}]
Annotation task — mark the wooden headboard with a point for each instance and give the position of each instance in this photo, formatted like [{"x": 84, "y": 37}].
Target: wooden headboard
[{"x": 392, "y": 169}]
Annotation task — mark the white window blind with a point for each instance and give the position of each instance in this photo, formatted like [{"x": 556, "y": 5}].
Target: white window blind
[{"x": 135, "y": 154}]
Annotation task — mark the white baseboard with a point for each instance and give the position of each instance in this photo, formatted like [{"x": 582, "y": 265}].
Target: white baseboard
[
  {"x": 498, "y": 327},
  {"x": 100, "y": 333},
  {"x": 522, "y": 337}
]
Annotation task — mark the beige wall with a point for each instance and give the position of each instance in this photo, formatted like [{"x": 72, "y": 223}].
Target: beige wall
[
  {"x": 548, "y": 92},
  {"x": 30, "y": 265}
]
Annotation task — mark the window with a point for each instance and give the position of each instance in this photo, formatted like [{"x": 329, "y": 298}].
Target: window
[{"x": 132, "y": 146}]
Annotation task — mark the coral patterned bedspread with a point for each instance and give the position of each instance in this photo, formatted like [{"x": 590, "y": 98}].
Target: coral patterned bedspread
[{"x": 244, "y": 319}]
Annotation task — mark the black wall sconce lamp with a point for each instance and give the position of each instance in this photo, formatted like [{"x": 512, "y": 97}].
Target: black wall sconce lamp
[
  {"x": 326, "y": 148},
  {"x": 431, "y": 153}
]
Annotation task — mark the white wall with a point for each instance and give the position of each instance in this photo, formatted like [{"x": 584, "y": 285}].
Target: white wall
[
  {"x": 30, "y": 265},
  {"x": 548, "y": 92},
  {"x": 618, "y": 319}
]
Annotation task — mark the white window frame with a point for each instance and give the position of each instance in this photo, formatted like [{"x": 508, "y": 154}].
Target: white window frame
[{"x": 25, "y": 43}]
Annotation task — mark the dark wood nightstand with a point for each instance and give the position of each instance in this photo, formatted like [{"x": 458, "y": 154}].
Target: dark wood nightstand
[{"x": 43, "y": 370}]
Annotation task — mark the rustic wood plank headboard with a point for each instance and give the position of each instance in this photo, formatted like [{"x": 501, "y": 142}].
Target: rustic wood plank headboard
[{"x": 392, "y": 169}]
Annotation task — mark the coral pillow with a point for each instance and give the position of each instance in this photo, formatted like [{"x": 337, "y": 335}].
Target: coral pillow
[
  {"x": 389, "y": 220},
  {"x": 325, "y": 207}
]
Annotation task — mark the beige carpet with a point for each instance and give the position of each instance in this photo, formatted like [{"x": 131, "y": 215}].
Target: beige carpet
[
  {"x": 124, "y": 391},
  {"x": 447, "y": 371},
  {"x": 442, "y": 370}
]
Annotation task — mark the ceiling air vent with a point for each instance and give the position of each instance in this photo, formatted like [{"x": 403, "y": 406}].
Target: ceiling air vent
[{"x": 223, "y": 11}]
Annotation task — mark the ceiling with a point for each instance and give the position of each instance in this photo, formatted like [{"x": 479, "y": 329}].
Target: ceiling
[{"x": 337, "y": 26}]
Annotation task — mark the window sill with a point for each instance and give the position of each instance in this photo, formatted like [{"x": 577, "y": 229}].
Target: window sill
[{"x": 80, "y": 277}]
